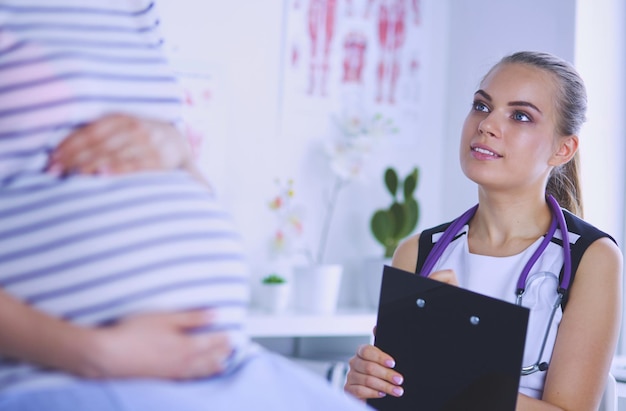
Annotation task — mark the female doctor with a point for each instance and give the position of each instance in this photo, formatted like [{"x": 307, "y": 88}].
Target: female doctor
[{"x": 519, "y": 145}]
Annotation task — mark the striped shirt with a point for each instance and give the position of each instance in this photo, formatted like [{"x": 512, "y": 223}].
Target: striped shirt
[{"x": 94, "y": 249}]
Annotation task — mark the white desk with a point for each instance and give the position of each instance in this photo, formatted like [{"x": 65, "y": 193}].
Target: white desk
[
  {"x": 343, "y": 323},
  {"x": 308, "y": 336}
]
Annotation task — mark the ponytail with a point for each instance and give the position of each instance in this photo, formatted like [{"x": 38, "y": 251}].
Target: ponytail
[{"x": 564, "y": 186}]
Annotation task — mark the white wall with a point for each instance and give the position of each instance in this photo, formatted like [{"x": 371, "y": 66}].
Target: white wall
[
  {"x": 601, "y": 59},
  {"x": 242, "y": 41}
]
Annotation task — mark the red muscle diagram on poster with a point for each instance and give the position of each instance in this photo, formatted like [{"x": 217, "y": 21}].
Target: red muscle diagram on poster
[
  {"x": 366, "y": 48},
  {"x": 392, "y": 22},
  {"x": 321, "y": 24}
]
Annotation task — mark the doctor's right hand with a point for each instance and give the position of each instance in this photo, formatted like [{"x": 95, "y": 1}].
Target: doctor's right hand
[{"x": 371, "y": 374}]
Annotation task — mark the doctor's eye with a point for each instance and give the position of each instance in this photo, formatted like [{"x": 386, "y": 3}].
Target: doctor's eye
[
  {"x": 521, "y": 116},
  {"x": 480, "y": 106}
]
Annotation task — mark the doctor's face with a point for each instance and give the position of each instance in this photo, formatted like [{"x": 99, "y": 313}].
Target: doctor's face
[{"x": 509, "y": 134}]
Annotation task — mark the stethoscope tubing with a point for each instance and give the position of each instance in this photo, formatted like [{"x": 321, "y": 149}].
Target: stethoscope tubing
[{"x": 558, "y": 220}]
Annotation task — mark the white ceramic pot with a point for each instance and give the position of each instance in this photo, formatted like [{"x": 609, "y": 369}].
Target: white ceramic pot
[
  {"x": 317, "y": 288},
  {"x": 274, "y": 298}
]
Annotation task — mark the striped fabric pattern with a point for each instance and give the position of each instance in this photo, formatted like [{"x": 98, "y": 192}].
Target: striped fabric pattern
[{"x": 91, "y": 249}]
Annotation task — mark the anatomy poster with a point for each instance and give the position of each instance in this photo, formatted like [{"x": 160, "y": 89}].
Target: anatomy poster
[{"x": 366, "y": 53}]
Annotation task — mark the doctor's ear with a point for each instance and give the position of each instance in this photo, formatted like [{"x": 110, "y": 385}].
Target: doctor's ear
[{"x": 566, "y": 148}]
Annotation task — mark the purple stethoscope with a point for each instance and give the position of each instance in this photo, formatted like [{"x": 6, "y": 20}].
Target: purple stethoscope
[{"x": 558, "y": 220}]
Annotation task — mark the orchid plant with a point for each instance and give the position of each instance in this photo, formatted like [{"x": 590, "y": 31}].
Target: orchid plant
[
  {"x": 348, "y": 152},
  {"x": 288, "y": 219}
]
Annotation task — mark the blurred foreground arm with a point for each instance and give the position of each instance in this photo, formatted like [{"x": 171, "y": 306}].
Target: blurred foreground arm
[{"x": 132, "y": 348}]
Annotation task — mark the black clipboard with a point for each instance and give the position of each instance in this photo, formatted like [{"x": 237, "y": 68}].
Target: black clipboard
[{"x": 457, "y": 350}]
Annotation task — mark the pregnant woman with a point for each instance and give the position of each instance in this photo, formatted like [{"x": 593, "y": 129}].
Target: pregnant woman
[{"x": 123, "y": 283}]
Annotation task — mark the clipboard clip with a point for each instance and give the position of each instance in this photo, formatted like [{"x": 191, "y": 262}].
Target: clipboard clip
[{"x": 421, "y": 303}]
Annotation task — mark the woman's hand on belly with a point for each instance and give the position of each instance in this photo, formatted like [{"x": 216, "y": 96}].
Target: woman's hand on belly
[
  {"x": 158, "y": 346},
  {"x": 120, "y": 144}
]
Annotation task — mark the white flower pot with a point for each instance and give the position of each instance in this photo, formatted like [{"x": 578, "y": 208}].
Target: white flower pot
[
  {"x": 317, "y": 288},
  {"x": 274, "y": 298}
]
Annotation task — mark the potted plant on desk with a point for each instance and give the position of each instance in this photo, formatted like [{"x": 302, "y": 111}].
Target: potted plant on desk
[
  {"x": 275, "y": 294},
  {"x": 317, "y": 284},
  {"x": 391, "y": 225}
]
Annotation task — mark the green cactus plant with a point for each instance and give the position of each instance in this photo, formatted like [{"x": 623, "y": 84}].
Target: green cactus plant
[{"x": 395, "y": 223}]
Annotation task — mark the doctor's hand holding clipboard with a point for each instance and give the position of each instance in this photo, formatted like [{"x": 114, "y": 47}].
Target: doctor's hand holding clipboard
[
  {"x": 525, "y": 243},
  {"x": 370, "y": 362},
  {"x": 455, "y": 349}
]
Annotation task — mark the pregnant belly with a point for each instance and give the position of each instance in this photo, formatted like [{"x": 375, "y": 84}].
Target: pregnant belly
[{"x": 93, "y": 250}]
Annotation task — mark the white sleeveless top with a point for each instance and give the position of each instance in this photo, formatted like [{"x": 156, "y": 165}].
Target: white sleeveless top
[{"x": 497, "y": 277}]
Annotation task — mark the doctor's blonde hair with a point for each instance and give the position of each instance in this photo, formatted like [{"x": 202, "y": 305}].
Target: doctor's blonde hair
[{"x": 571, "y": 107}]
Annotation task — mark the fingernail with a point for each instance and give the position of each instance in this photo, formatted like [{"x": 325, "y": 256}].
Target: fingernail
[
  {"x": 398, "y": 391},
  {"x": 390, "y": 363},
  {"x": 381, "y": 394},
  {"x": 55, "y": 169},
  {"x": 397, "y": 379}
]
